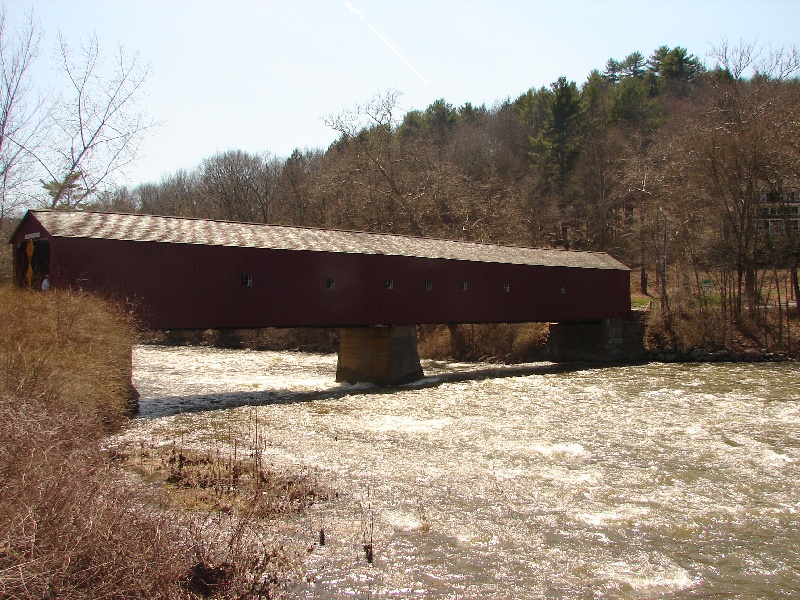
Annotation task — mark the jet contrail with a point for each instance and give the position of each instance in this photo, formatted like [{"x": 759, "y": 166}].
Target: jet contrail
[{"x": 353, "y": 9}]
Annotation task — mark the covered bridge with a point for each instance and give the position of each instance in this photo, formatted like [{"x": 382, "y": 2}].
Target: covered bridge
[{"x": 179, "y": 273}]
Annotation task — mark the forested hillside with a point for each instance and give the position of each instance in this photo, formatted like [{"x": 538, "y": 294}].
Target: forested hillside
[{"x": 657, "y": 161}]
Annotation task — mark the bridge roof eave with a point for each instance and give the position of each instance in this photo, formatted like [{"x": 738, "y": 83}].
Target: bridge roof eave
[{"x": 179, "y": 230}]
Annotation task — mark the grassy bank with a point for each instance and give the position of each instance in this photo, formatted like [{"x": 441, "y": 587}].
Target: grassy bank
[{"x": 77, "y": 521}]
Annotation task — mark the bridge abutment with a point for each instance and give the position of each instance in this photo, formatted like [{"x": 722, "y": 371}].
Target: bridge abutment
[
  {"x": 379, "y": 355},
  {"x": 606, "y": 341}
]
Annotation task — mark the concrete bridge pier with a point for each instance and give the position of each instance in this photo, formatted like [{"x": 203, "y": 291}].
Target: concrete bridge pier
[
  {"x": 606, "y": 341},
  {"x": 379, "y": 355}
]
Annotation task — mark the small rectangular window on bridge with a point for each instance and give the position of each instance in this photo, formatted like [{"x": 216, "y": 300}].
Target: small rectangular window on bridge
[
  {"x": 330, "y": 283},
  {"x": 428, "y": 285},
  {"x": 506, "y": 287},
  {"x": 390, "y": 284},
  {"x": 463, "y": 286},
  {"x": 247, "y": 280}
]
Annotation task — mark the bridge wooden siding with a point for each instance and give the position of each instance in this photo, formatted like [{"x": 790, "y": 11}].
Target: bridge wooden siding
[{"x": 196, "y": 274}]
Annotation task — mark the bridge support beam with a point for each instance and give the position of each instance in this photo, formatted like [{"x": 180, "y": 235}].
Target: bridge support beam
[
  {"x": 607, "y": 341},
  {"x": 379, "y": 355}
]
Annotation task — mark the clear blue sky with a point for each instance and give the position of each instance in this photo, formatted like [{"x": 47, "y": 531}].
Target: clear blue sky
[{"x": 260, "y": 75}]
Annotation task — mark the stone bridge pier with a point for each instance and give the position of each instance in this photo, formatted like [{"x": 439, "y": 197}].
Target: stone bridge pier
[
  {"x": 606, "y": 341},
  {"x": 379, "y": 355}
]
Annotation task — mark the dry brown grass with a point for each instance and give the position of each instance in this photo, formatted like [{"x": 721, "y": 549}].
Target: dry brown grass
[
  {"x": 214, "y": 480},
  {"x": 74, "y": 525},
  {"x": 72, "y": 343}
]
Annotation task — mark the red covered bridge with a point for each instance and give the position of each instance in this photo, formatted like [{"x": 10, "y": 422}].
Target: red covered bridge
[{"x": 180, "y": 273}]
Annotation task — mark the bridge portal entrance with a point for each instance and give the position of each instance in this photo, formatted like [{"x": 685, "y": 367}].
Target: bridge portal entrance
[{"x": 31, "y": 262}]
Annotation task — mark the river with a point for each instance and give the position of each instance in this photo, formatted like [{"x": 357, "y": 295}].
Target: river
[{"x": 531, "y": 481}]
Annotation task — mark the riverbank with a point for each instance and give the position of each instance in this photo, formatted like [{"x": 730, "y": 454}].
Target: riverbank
[
  {"x": 694, "y": 335},
  {"x": 719, "y": 356},
  {"x": 79, "y": 519}
]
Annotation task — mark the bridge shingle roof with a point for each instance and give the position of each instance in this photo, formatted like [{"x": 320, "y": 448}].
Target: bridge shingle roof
[{"x": 179, "y": 230}]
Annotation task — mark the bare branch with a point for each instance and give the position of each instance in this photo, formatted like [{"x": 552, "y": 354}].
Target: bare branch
[
  {"x": 779, "y": 63},
  {"x": 737, "y": 59},
  {"x": 23, "y": 114},
  {"x": 99, "y": 123}
]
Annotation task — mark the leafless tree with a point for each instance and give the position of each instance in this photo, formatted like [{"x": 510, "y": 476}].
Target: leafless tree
[
  {"x": 735, "y": 59},
  {"x": 177, "y": 195},
  {"x": 299, "y": 199},
  {"x": 778, "y": 64},
  {"x": 23, "y": 112},
  {"x": 239, "y": 186},
  {"x": 98, "y": 127},
  {"x": 368, "y": 132}
]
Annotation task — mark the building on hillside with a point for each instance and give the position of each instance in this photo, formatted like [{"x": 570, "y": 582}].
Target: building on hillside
[{"x": 779, "y": 213}]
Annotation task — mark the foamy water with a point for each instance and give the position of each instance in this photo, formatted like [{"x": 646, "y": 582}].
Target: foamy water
[{"x": 654, "y": 481}]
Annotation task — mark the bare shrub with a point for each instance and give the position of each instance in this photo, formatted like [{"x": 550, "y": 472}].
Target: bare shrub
[
  {"x": 69, "y": 533},
  {"x": 67, "y": 529},
  {"x": 208, "y": 480},
  {"x": 7, "y": 226},
  {"x": 83, "y": 342},
  {"x": 503, "y": 342},
  {"x": 687, "y": 328},
  {"x": 433, "y": 341}
]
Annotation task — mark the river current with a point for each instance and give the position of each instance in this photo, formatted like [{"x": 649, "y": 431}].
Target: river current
[{"x": 526, "y": 481}]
